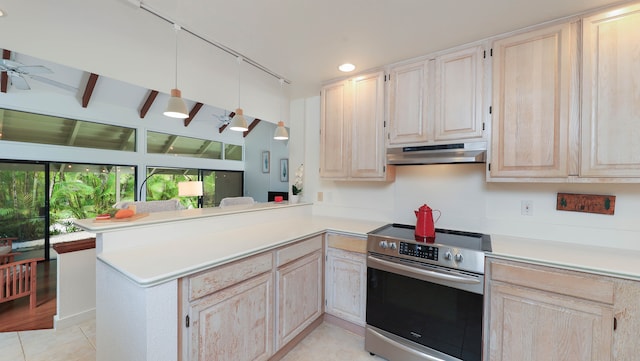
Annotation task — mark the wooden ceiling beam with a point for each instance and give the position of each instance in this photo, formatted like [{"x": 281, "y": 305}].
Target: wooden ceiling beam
[
  {"x": 192, "y": 113},
  {"x": 251, "y": 126},
  {"x": 147, "y": 103},
  {"x": 224, "y": 126},
  {"x": 4, "y": 77},
  {"x": 88, "y": 90}
]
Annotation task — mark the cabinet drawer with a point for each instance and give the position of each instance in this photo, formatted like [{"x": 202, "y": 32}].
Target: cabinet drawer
[
  {"x": 346, "y": 243},
  {"x": 554, "y": 280},
  {"x": 222, "y": 277},
  {"x": 290, "y": 253}
]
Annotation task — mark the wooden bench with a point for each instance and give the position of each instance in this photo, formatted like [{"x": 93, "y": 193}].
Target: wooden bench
[{"x": 19, "y": 279}]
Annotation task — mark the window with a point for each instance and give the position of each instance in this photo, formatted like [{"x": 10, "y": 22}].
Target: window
[
  {"x": 161, "y": 143},
  {"x": 162, "y": 184},
  {"x": 44, "y": 129}
]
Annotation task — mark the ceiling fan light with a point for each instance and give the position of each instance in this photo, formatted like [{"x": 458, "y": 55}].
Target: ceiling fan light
[
  {"x": 281, "y": 132},
  {"x": 176, "y": 107},
  {"x": 238, "y": 123}
]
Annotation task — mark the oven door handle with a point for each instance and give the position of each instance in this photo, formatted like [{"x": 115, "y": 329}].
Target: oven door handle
[{"x": 414, "y": 271}]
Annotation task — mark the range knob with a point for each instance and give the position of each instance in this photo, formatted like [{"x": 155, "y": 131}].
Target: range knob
[
  {"x": 384, "y": 244},
  {"x": 459, "y": 257},
  {"x": 448, "y": 256},
  {"x": 393, "y": 246}
]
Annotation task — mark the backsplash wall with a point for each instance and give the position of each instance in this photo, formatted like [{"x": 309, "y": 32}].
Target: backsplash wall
[{"x": 468, "y": 202}]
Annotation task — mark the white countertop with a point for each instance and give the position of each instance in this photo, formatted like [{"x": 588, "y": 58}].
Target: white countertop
[
  {"x": 175, "y": 259},
  {"x": 181, "y": 215},
  {"x": 165, "y": 260},
  {"x": 600, "y": 260}
]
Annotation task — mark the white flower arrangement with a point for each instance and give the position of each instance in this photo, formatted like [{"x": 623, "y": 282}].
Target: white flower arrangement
[{"x": 297, "y": 184}]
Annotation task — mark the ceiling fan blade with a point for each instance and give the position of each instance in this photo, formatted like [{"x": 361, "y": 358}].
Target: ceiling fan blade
[
  {"x": 9, "y": 64},
  {"x": 18, "y": 81},
  {"x": 34, "y": 69},
  {"x": 54, "y": 83}
]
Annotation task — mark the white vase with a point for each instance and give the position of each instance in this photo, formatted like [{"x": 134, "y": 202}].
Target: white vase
[{"x": 294, "y": 199}]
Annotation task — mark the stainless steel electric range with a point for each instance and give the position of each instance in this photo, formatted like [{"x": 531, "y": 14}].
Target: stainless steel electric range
[{"x": 425, "y": 300}]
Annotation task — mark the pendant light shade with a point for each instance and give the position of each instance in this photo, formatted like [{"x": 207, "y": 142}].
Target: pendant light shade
[
  {"x": 176, "y": 107},
  {"x": 281, "y": 132},
  {"x": 238, "y": 123}
]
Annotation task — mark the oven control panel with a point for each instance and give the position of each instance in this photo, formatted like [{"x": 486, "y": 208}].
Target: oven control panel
[{"x": 419, "y": 251}]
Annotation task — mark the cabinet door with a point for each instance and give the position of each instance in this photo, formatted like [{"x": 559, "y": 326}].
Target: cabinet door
[
  {"x": 528, "y": 324},
  {"x": 611, "y": 94},
  {"x": 459, "y": 87},
  {"x": 235, "y": 323},
  {"x": 531, "y": 104},
  {"x": 408, "y": 89},
  {"x": 334, "y": 130},
  {"x": 299, "y": 296},
  {"x": 367, "y": 127},
  {"x": 346, "y": 285}
]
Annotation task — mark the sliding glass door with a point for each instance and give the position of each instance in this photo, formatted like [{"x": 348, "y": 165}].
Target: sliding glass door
[
  {"x": 23, "y": 208},
  {"x": 39, "y": 201}
]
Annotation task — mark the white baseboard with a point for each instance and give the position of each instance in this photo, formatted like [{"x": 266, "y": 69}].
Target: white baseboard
[{"x": 73, "y": 320}]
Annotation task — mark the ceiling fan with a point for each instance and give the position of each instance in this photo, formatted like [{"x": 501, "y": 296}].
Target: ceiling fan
[
  {"x": 224, "y": 118},
  {"x": 18, "y": 73}
]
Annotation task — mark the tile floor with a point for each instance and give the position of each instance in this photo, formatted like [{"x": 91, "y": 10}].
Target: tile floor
[
  {"x": 78, "y": 343},
  {"x": 74, "y": 343}
]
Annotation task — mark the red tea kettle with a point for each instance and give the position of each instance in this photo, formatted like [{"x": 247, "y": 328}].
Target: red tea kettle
[{"x": 425, "y": 225}]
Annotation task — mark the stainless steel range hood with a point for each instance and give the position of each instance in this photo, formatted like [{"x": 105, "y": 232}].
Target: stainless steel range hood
[{"x": 472, "y": 152}]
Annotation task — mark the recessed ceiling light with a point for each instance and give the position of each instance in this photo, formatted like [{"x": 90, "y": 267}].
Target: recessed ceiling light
[
  {"x": 347, "y": 67},
  {"x": 1, "y": 12}
]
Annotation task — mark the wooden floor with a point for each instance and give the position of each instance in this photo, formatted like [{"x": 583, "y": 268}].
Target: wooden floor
[{"x": 16, "y": 316}]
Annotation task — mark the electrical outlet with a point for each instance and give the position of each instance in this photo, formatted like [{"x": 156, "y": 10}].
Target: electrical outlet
[{"x": 526, "y": 208}]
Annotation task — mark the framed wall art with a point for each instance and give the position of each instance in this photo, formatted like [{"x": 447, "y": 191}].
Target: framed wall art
[
  {"x": 284, "y": 170},
  {"x": 265, "y": 162}
]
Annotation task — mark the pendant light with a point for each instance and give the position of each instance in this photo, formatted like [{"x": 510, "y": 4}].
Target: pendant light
[
  {"x": 238, "y": 123},
  {"x": 176, "y": 107},
  {"x": 281, "y": 132}
]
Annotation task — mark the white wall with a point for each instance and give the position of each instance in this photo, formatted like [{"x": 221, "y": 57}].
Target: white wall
[
  {"x": 469, "y": 203},
  {"x": 257, "y": 183}
]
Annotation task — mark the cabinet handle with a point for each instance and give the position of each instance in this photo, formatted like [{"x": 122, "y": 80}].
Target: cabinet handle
[{"x": 615, "y": 323}]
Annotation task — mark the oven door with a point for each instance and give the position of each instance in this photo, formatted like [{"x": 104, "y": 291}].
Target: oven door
[{"x": 423, "y": 309}]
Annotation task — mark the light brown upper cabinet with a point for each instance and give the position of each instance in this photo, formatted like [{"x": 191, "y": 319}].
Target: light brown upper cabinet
[
  {"x": 611, "y": 94},
  {"x": 408, "y": 89},
  {"x": 566, "y": 101},
  {"x": 352, "y": 130},
  {"x": 437, "y": 100},
  {"x": 531, "y": 104}
]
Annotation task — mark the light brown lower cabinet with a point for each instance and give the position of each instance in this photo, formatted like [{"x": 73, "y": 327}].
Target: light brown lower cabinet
[
  {"x": 249, "y": 309},
  {"x": 537, "y": 312},
  {"x": 299, "y": 296},
  {"x": 346, "y": 272}
]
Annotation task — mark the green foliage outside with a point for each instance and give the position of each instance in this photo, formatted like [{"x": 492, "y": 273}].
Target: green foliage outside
[{"x": 73, "y": 195}]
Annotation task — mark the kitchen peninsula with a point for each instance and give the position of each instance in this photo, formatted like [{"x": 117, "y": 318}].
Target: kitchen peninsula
[
  {"x": 150, "y": 270},
  {"x": 140, "y": 263}
]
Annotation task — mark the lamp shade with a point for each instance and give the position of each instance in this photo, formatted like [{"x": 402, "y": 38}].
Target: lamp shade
[
  {"x": 176, "y": 107},
  {"x": 238, "y": 123},
  {"x": 190, "y": 189},
  {"x": 281, "y": 132}
]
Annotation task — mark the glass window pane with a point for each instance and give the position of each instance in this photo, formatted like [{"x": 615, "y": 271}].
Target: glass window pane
[
  {"x": 26, "y": 127},
  {"x": 162, "y": 184},
  {"x": 220, "y": 184},
  {"x": 232, "y": 152},
  {"x": 160, "y": 143},
  {"x": 85, "y": 190}
]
